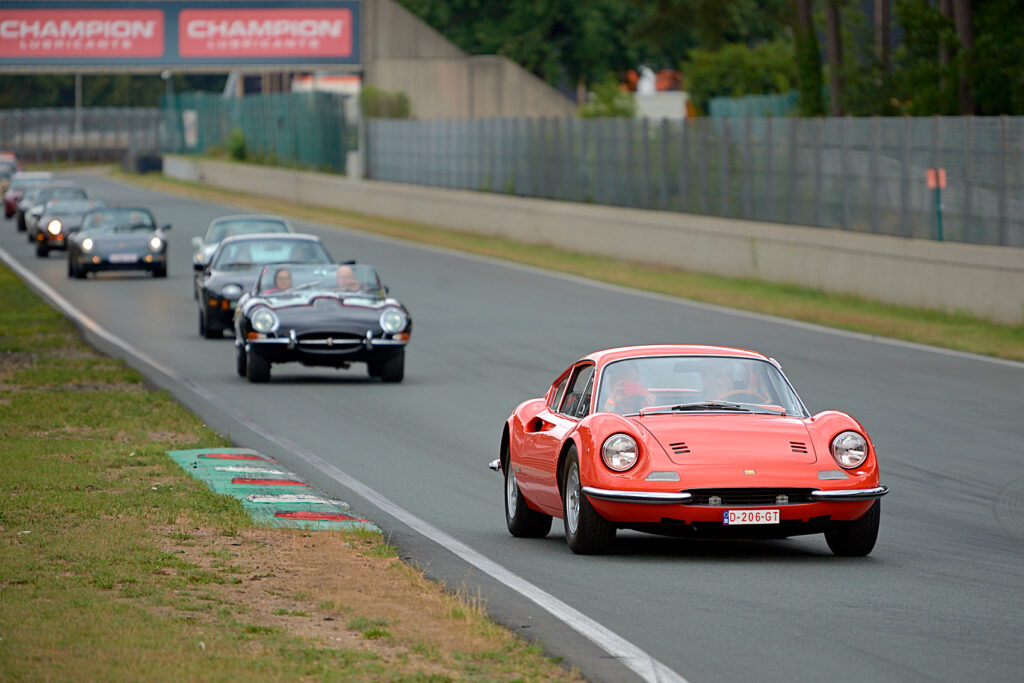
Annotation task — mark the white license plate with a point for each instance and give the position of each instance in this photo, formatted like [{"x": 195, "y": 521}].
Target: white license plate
[
  {"x": 732, "y": 517},
  {"x": 123, "y": 258}
]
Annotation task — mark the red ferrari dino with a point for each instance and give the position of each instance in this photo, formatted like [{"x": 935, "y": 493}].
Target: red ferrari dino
[{"x": 686, "y": 440}]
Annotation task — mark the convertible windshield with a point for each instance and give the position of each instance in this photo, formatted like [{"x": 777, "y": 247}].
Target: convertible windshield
[
  {"x": 117, "y": 218},
  {"x": 65, "y": 207},
  {"x": 345, "y": 279},
  {"x": 687, "y": 384},
  {"x": 247, "y": 253},
  {"x": 221, "y": 230}
]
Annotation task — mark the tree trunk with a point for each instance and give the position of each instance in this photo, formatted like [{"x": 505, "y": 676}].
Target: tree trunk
[
  {"x": 808, "y": 59},
  {"x": 834, "y": 42},
  {"x": 965, "y": 32},
  {"x": 882, "y": 36}
]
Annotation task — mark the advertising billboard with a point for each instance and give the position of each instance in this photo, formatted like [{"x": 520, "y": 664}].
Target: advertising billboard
[{"x": 75, "y": 36}]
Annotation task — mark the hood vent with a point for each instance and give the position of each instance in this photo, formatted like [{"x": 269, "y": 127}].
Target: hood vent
[
  {"x": 679, "y": 448},
  {"x": 798, "y": 446}
]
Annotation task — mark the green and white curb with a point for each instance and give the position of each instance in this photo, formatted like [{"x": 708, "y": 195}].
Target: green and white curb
[{"x": 270, "y": 493}]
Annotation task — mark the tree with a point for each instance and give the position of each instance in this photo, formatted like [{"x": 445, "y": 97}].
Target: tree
[
  {"x": 808, "y": 59},
  {"x": 735, "y": 70},
  {"x": 834, "y": 43}
]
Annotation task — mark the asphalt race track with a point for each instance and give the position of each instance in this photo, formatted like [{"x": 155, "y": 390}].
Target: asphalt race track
[{"x": 940, "y": 599}]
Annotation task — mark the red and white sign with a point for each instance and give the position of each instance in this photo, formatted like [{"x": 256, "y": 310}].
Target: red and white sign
[
  {"x": 294, "y": 32},
  {"x": 936, "y": 178},
  {"x": 83, "y": 33}
]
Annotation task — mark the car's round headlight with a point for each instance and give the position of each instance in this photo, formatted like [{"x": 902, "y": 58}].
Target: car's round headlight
[
  {"x": 87, "y": 244},
  {"x": 850, "y": 449},
  {"x": 155, "y": 243},
  {"x": 393, "y": 320},
  {"x": 619, "y": 452},
  {"x": 264, "y": 320},
  {"x": 231, "y": 291},
  {"x": 54, "y": 227}
]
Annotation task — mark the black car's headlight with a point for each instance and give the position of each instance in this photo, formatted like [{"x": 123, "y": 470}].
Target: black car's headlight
[
  {"x": 88, "y": 244},
  {"x": 264, "y": 321},
  {"x": 850, "y": 449},
  {"x": 619, "y": 452},
  {"x": 155, "y": 243},
  {"x": 231, "y": 291},
  {"x": 53, "y": 227},
  {"x": 393, "y": 320}
]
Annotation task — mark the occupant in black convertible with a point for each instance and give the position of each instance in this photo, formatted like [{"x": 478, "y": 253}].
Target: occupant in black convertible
[{"x": 282, "y": 281}]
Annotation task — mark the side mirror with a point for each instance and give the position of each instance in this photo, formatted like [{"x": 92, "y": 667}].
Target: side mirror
[
  {"x": 198, "y": 267},
  {"x": 166, "y": 227}
]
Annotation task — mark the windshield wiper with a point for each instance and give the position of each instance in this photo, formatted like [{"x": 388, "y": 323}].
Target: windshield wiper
[{"x": 695, "y": 407}]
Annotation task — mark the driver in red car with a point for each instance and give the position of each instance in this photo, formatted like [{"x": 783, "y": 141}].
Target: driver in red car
[
  {"x": 716, "y": 379},
  {"x": 628, "y": 393}
]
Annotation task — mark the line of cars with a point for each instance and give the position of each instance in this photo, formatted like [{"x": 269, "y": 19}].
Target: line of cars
[
  {"x": 59, "y": 215},
  {"x": 286, "y": 299}
]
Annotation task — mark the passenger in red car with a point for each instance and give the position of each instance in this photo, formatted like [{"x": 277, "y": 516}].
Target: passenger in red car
[
  {"x": 282, "y": 281},
  {"x": 716, "y": 380},
  {"x": 628, "y": 393}
]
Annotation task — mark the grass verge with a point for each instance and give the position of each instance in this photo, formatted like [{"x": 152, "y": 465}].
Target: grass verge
[
  {"x": 115, "y": 565},
  {"x": 956, "y": 330}
]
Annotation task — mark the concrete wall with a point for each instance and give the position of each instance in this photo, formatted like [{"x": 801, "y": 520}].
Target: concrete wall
[
  {"x": 402, "y": 52},
  {"x": 982, "y": 280}
]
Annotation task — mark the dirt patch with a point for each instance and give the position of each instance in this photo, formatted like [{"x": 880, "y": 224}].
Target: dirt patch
[{"x": 329, "y": 587}]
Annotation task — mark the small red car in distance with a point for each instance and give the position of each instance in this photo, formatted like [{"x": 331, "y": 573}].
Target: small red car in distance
[
  {"x": 20, "y": 183},
  {"x": 678, "y": 440}
]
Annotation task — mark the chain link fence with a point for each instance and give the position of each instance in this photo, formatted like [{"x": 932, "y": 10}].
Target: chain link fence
[
  {"x": 859, "y": 174},
  {"x": 87, "y": 134},
  {"x": 292, "y": 129}
]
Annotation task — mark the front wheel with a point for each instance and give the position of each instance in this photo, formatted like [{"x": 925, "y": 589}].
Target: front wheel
[
  {"x": 522, "y": 522},
  {"x": 856, "y": 538},
  {"x": 391, "y": 369},
  {"x": 42, "y": 251},
  {"x": 160, "y": 271},
  {"x": 241, "y": 360},
  {"x": 586, "y": 532},
  {"x": 257, "y": 367}
]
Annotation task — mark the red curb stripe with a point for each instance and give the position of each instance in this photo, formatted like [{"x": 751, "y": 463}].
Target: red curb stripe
[
  {"x": 318, "y": 516},
  {"x": 233, "y": 456},
  {"x": 267, "y": 482}
]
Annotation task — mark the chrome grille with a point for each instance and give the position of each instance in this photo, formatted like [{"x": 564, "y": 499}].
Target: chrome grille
[{"x": 750, "y": 496}]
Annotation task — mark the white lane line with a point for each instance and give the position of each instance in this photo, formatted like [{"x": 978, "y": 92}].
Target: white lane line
[{"x": 641, "y": 663}]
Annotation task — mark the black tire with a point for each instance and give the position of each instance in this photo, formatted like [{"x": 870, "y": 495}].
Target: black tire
[
  {"x": 522, "y": 522},
  {"x": 206, "y": 329},
  {"x": 71, "y": 268},
  {"x": 241, "y": 360},
  {"x": 21, "y": 222},
  {"x": 80, "y": 272},
  {"x": 42, "y": 250},
  {"x": 391, "y": 369},
  {"x": 586, "y": 532},
  {"x": 856, "y": 538},
  {"x": 257, "y": 367},
  {"x": 160, "y": 271}
]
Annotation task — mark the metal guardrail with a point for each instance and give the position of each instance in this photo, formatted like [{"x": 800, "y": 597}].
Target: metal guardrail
[{"x": 865, "y": 174}]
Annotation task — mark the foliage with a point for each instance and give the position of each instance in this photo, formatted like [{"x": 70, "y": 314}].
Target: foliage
[
  {"x": 235, "y": 144},
  {"x": 735, "y": 70},
  {"x": 996, "y": 68},
  {"x": 98, "y": 90},
  {"x": 921, "y": 85},
  {"x": 609, "y": 100},
  {"x": 384, "y": 104}
]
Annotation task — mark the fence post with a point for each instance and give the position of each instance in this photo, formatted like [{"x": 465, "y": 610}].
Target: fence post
[
  {"x": 818, "y": 154},
  {"x": 705, "y": 201},
  {"x": 645, "y": 159},
  {"x": 968, "y": 190},
  {"x": 794, "y": 150},
  {"x": 844, "y": 175},
  {"x": 876, "y": 144},
  {"x": 663, "y": 159},
  {"x": 1003, "y": 143},
  {"x": 747, "y": 163},
  {"x": 905, "y": 179},
  {"x": 769, "y": 162},
  {"x": 723, "y": 209}
]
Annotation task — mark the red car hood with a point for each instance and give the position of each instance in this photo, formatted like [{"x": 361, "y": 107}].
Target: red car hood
[{"x": 723, "y": 439}]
